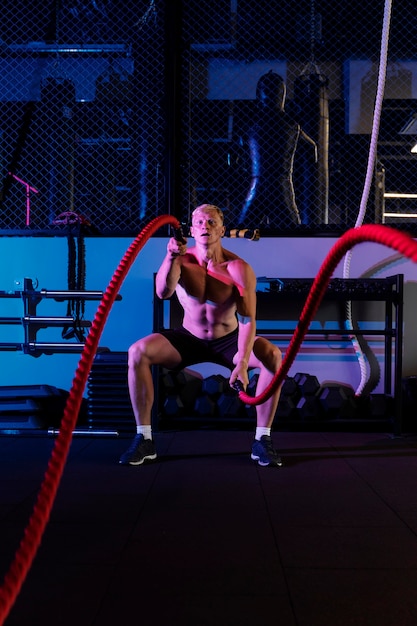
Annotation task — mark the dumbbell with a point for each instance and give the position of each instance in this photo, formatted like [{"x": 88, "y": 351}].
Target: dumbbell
[
  {"x": 205, "y": 405},
  {"x": 307, "y": 404},
  {"x": 287, "y": 408},
  {"x": 173, "y": 405},
  {"x": 190, "y": 392},
  {"x": 337, "y": 400},
  {"x": 229, "y": 405},
  {"x": 290, "y": 395},
  {"x": 188, "y": 384},
  {"x": 211, "y": 389},
  {"x": 215, "y": 385},
  {"x": 179, "y": 390},
  {"x": 309, "y": 407},
  {"x": 308, "y": 384},
  {"x": 168, "y": 382},
  {"x": 352, "y": 408},
  {"x": 185, "y": 376}
]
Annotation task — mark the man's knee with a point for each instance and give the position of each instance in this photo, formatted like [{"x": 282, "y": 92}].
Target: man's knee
[
  {"x": 272, "y": 357},
  {"x": 136, "y": 353},
  {"x": 268, "y": 355},
  {"x": 275, "y": 358}
]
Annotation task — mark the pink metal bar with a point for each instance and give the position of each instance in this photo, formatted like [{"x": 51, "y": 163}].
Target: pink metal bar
[{"x": 29, "y": 188}]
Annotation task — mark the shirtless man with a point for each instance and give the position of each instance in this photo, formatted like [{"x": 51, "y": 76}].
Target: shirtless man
[{"x": 217, "y": 290}]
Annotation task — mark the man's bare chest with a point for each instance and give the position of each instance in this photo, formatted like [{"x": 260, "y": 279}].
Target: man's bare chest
[{"x": 199, "y": 284}]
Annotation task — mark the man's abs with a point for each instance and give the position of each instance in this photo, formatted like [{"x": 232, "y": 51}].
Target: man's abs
[{"x": 207, "y": 324}]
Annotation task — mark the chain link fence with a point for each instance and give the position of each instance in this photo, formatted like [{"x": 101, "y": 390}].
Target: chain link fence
[
  {"x": 274, "y": 114},
  {"x": 281, "y": 101},
  {"x": 82, "y": 130}
]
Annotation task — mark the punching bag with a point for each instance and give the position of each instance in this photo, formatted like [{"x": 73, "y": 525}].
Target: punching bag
[
  {"x": 272, "y": 141},
  {"x": 312, "y": 105}
]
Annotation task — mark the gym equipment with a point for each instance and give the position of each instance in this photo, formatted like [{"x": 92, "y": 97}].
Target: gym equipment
[
  {"x": 167, "y": 381},
  {"x": 173, "y": 405},
  {"x": 215, "y": 385},
  {"x": 307, "y": 383},
  {"x": 334, "y": 397},
  {"x": 309, "y": 407},
  {"x": 108, "y": 402},
  {"x": 178, "y": 391},
  {"x": 205, "y": 405},
  {"x": 190, "y": 391},
  {"x": 229, "y": 405},
  {"x": 290, "y": 395},
  {"x": 24, "y": 407}
]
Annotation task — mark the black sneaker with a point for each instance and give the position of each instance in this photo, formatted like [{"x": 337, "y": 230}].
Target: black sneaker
[
  {"x": 264, "y": 452},
  {"x": 140, "y": 450}
]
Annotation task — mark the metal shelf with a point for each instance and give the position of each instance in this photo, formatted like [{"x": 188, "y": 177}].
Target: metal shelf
[
  {"x": 289, "y": 294},
  {"x": 32, "y": 323}
]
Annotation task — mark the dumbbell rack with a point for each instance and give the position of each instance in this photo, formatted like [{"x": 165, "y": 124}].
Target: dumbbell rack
[
  {"x": 281, "y": 295},
  {"x": 32, "y": 322},
  {"x": 277, "y": 295}
]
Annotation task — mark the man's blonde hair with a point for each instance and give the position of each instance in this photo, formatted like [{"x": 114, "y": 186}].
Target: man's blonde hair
[{"x": 209, "y": 207}]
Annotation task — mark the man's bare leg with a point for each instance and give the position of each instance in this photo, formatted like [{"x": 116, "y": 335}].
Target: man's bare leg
[
  {"x": 269, "y": 360},
  {"x": 265, "y": 412},
  {"x": 140, "y": 383},
  {"x": 149, "y": 351}
]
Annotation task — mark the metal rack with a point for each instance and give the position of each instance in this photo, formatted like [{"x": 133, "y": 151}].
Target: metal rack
[
  {"x": 279, "y": 298},
  {"x": 32, "y": 322}
]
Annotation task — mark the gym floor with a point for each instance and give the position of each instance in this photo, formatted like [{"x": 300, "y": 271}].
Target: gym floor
[{"x": 204, "y": 537}]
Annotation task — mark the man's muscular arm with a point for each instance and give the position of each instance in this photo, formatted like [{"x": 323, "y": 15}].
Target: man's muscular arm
[
  {"x": 169, "y": 272},
  {"x": 246, "y": 315}
]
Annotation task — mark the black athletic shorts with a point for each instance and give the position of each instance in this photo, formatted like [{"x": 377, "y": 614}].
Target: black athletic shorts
[{"x": 194, "y": 350}]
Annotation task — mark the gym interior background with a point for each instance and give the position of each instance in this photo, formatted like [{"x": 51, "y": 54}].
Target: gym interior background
[
  {"x": 113, "y": 113},
  {"x": 121, "y": 111}
]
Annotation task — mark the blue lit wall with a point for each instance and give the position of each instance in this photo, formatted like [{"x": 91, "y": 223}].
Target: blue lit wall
[{"x": 45, "y": 261}]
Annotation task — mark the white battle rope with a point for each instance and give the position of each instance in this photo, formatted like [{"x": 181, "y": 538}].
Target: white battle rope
[{"x": 368, "y": 180}]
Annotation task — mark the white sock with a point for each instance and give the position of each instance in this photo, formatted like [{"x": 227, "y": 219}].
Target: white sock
[
  {"x": 146, "y": 431},
  {"x": 262, "y": 430}
]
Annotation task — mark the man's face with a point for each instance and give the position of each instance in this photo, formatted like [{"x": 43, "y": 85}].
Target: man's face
[{"x": 207, "y": 226}]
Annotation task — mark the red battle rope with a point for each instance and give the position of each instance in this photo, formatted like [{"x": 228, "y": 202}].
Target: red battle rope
[
  {"x": 29, "y": 545},
  {"x": 30, "y": 542}
]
